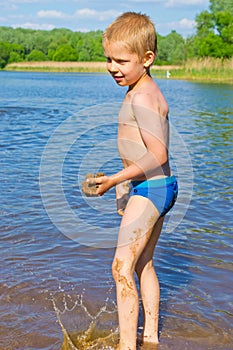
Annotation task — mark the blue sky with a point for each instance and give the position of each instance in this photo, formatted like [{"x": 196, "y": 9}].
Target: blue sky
[{"x": 86, "y": 15}]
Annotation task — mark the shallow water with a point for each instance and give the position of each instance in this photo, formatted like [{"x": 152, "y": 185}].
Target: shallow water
[{"x": 57, "y": 247}]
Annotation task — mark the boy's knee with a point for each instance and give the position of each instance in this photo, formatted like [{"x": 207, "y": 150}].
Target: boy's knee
[
  {"x": 143, "y": 266},
  {"x": 120, "y": 269}
]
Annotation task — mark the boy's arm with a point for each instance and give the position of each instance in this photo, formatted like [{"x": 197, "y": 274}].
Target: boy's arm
[
  {"x": 154, "y": 132},
  {"x": 152, "y": 119},
  {"x": 153, "y": 125},
  {"x": 143, "y": 167}
]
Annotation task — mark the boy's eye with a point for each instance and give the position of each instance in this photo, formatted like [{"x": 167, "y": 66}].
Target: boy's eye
[{"x": 121, "y": 61}]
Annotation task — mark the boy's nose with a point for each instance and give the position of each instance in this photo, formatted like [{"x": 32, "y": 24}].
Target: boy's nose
[{"x": 112, "y": 67}]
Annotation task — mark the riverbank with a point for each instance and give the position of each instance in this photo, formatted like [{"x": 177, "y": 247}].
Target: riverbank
[
  {"x": 208, "y": 69},
  {"x": 51, "y": 66},
  {"x": 92, "y": 67}
]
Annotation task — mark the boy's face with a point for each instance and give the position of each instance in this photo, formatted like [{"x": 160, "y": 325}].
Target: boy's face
[{"x": 126, "y": 68}]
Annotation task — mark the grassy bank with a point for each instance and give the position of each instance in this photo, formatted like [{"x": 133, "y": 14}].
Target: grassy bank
[
  {"x": 208, "y": 69},
  {"x": 50, "y": 66}
]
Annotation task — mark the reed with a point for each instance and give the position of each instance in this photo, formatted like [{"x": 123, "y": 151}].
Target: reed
[
  {"x": 206, "y": 69},
  {"x": 50, "y": 66}
]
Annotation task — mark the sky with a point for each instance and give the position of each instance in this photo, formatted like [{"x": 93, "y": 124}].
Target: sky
[{"x": 87, "y": 15}]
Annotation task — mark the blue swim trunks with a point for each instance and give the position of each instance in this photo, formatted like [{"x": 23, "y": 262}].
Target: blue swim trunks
[{"x": 162, "y": 192}]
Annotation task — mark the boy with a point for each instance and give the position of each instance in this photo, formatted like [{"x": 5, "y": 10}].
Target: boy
[{"x": 130, "y": 47}]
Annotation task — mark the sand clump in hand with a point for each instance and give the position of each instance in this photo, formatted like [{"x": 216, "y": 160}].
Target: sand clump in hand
[{"x": 90, "y": 188}]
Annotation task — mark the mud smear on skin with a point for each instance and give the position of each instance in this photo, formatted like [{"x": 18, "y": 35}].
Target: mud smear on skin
[
  {"x": 151, "y": 222},
  {"x": 127, "y": 287}
]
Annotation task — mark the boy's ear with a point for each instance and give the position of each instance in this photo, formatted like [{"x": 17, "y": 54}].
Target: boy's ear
[{"x": 149, "y": 58}]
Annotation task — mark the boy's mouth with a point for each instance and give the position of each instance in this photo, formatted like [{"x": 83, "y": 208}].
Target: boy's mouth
[{"x": 117, "y": 78}]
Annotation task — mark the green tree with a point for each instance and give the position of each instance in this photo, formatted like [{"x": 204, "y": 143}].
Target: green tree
[
  {"x": 224, "y": 25},
  {"x": 205, "y": 23},
  {"x": 41, "y": 41},
  {"x": 97, "y": 49},
  {"x": 24, "y": 37},
  {"x": 36, "y": 55},
  {"x": 4, "y": 53},
  {"x": 221, "y": 5},
  {"x": 65, "y": 53},
  {"x": 14, "y": 57},
  {"x": 171, "y": 49},
  {"x": 215, "y": 30},
  {"x": 212, "y": 45}
]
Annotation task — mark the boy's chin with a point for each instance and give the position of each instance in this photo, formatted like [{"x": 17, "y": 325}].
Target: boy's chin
[{"x": 121, "y": 83}]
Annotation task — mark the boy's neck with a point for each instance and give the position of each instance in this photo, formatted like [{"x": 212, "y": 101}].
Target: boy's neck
[{"x": 140, "y": 81}]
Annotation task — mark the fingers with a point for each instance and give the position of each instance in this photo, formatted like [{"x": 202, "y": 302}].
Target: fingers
[
  {"x": 97, "y": 184},
  {"x": 90, "y": 187},
  {"x": 120, "y": 212},
  {"x": 96, "y": 180}
]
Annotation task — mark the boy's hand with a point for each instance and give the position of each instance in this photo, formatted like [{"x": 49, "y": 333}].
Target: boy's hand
[
  {"x": 96, "y": 185},
  {"x": 89, "y": 186},
  {"x": 102, "y": 183}
]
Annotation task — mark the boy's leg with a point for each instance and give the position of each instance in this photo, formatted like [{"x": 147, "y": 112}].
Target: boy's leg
[
  {"x": 135, "y": 232},
  {"x": 149, "y": 286}
]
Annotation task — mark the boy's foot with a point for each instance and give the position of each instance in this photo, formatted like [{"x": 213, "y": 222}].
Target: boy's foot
[
  {"x": 139, "y": 339},
  {"x": 144, "y": 338},
  {"x": 149, "y": 346},
  {"x": 147, "y": 343}
]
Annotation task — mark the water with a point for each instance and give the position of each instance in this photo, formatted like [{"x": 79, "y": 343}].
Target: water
[{"x": 57, "y": 247}]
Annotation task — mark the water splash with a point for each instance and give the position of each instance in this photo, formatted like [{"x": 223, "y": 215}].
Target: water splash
[{"x": 81, "y": 329}]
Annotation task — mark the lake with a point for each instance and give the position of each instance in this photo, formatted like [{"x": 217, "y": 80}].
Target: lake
[{"x": 57, "y": 246}]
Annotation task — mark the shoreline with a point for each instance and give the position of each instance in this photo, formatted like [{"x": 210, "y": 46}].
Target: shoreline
[
  {"x": 71, "y": 66},
  {"x": 179, "y": 72}
]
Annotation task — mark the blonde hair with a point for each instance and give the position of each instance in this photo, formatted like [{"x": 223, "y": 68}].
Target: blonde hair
[{"x": 135, "y": 31}]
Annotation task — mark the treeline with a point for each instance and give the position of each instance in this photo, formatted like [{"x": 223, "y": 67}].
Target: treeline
[
  {"x": 213, "y": 38},
  {"x": 17, "y": 45},
  {"x": 63, "y": 45}
]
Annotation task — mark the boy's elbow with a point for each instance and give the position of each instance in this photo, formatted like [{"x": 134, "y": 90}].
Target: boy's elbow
[
  {"x": 164, "y": 159},
  {"x": 161, "y": 158}
]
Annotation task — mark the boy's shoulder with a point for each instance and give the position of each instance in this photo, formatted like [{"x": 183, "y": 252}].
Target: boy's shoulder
[
  {"x": 146, "y": 99},
  {"x": 141, "y": 97},
  {"x": 147, "y": 91},
  {"x": 150, "y": 98}
]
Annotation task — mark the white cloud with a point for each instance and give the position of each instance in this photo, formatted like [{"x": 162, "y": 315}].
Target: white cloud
[
  {"x": 186, "y": 23},
  {"x": 173, "y": 3},
  {"x": 83, "y": 30},
  {"x": 99, "y": 15},
  {"x": 185, "y": 26},
  {"x": 51, "y": 14},
  {"x": 30, "y": 25},
  {"x": 85, "y": 13}
]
